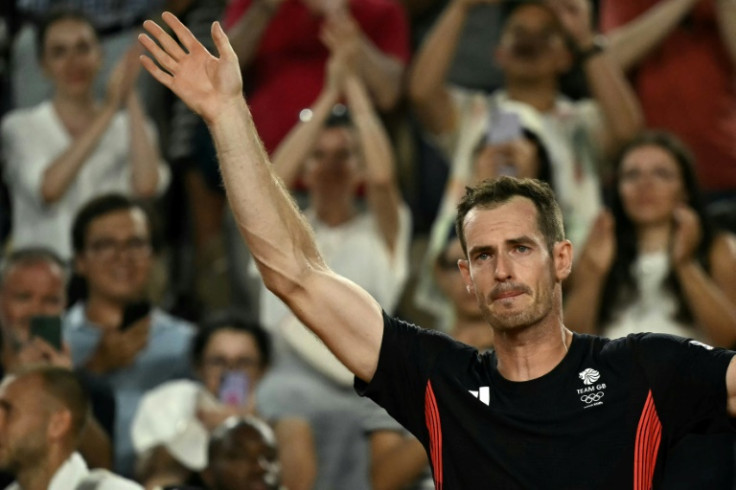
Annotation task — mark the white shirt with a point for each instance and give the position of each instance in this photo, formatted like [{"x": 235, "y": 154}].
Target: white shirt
[
  {"x": 74, "y": 475},
  {"x": 31, "y": 139},
  {"x": 355, "y": 250}
]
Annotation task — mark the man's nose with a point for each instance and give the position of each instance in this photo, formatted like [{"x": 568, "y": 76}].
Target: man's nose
[{"x": 503, "y": 268}]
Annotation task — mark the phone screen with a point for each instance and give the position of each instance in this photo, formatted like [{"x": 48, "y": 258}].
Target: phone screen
[
  {"x": 234, "y": 388},
  {"x": 134, "y": 312},
  {"x": 48, "y": 328},
  {"x": 503, "y": 126}
]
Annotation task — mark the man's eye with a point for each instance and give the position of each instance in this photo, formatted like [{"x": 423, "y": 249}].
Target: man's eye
[{"x": 522, "y": 248}]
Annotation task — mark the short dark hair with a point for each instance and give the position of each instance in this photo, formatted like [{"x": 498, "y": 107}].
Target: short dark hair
[
  {"x": 64, "y": 386},
  {"x": 55, "y": 15},
  {"x": 230, "y": 319},
  {"x": 31, "y": 256},
  {"x": 100, "y": 206},
  {"x": 492, "y": 192}
]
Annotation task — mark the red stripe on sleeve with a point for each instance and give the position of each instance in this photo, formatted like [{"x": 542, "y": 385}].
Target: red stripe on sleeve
[
  {"x": 432, "y": 419},
  {"x": 648, "y": 438}
]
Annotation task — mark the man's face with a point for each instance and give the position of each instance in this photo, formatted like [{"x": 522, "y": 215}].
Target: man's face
[
  {"x": 509, "y": 266},
  {"x": 248, "y": 460},
  {"x": 24, "y": 420},
  {"x": 28, "y": 290},
  {"x": 332, "y": 168},
  {"x": 117, "y": 257},
  {"x": 230, "y": 350},
  {"x": 532, "y": 45}
]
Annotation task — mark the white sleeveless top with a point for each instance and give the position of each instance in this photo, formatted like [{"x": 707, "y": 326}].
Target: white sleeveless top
[{"x": 655, "y": 308}]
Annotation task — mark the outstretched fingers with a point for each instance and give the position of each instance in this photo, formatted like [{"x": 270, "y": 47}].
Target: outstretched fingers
[
  {"x": 164, "y": 78},
  {"x": 222, "y": 43},
  {"x": 169, "y": 44},
  {"x": 161, "y": 56},
  {"x": 185, "y": 36}
]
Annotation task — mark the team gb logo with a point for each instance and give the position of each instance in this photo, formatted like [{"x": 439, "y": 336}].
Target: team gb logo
[{"x": 589, "y": 376}]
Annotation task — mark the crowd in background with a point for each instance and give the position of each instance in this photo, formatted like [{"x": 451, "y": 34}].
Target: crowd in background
[{"x": 123, "y": 265}]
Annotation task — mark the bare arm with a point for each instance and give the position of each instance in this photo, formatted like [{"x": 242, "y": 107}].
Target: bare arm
[
  {"x": 396, "y": 460},
  {"x": 344, "y": 316},
  {"x": 726, "y": 12},
  {"x": 64, "y": 169},
  {"x": 382, "y": 191},
  {"x": 289, "y": 156},
  {"x": 427, "y": 76},
  {"x": 381, "y": 72},
  {"x": 630, "y": 43},
  {"x": 247, "y": 33},
  {"x": 712, "y": 297},
  {"x": 585, "y": 289},
  {"x": 610, "y": 88},
  {"x": 144, "y": 155}
]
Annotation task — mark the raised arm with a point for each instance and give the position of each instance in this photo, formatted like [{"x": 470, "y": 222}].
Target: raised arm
[
  {"x": 382, "y": 191},
  {"x": 382, "y": 73},
  {"x": 710, "y": 296},
  {"x": 631, "y": 42},
  {"x": 344, "y": 316},
  {"x": 247, "y": 32},
  {"x": 427, "y": 76},
  {"x": 726, "y": 13},
  {"x": 584, "y": 291},
  {"x": 608, "y": 84},
  {"x": 289, "y": 156}
]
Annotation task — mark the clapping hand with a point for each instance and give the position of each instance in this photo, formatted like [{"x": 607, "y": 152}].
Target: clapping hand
[
  {"x": 686, "y": 235},
  {"x": 207, "y": 84},
  {"x": 600, "y": 248},
  {"x": 123, "y": 77}
]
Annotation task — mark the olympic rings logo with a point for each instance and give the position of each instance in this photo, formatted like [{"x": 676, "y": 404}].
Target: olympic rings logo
[{"x": 592, "y": 397}]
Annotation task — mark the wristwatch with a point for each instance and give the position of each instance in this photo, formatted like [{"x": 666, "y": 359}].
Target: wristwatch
[{"x": 599, "y": 45}]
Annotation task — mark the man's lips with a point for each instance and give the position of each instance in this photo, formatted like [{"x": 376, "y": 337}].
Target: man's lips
[{"x": 507, "y": 294}]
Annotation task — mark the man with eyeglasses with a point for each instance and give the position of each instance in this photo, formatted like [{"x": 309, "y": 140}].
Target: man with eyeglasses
[{"x": 114, "y": 253}]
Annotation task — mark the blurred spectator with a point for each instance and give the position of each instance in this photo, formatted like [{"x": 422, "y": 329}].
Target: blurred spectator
[
  {"x": 683, "y": 51},
  {"x": 115, "y": 332},
  {"x": 655, "y": 257},
  {"x": 655, "y": 264},
  {"x": 43, "y": 412},
  {"x": 72, "y": 147},
  {"x": 243, "y": 455},
  {"x": 280, "y": 44},
  {"x": 336, "y": 153},
  {"x": 116, "y": 22},
  {"x": 32, "y": 285},
  {"x": 171, "y": 428},
  {"x": 533, "y": 52}
]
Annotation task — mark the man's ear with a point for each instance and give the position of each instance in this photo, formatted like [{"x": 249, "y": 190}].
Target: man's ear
[
  {"x": 80, "y": 264},
  {"x": 60, "y": 424},
  {"x": 464, "y": 267},
  {"x": 562, "y": 255}
]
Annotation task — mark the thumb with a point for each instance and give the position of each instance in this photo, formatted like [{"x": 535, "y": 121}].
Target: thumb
[{"x": 222, "y": 43}]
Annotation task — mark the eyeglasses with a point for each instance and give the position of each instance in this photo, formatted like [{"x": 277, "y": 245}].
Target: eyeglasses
[
  {"x": 107, "y": 248},
  {"x": 237, "y": 364}
]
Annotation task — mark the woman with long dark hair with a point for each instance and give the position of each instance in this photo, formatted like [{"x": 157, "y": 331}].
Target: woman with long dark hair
[{"x": 654, "y": 263}]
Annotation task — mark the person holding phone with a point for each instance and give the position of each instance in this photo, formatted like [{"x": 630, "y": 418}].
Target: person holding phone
[
  {"x": 114, "y": 333},
  {"x": 32, "y": 301},
  {"x": 230, "y": 355}
]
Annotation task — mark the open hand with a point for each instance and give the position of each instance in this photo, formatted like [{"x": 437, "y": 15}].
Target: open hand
[
  {"x": 600, "y": 248},
  {"x": 207, "y": 84},
  {"x": 123, "y": 77}
]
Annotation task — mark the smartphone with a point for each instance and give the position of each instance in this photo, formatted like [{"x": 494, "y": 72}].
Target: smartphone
[
  {"x": 48, "y": 328},
  {"x": 133, "y": 312},
  {"x": 503, "y": 126},
  {"x": 234, "y": 388}
]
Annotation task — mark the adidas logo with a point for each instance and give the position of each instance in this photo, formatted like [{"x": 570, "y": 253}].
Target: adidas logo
[{"x": 483, "y": 394}]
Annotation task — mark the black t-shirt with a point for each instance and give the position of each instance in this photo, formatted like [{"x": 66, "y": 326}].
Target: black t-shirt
[{"x": 604, "y": 418}]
